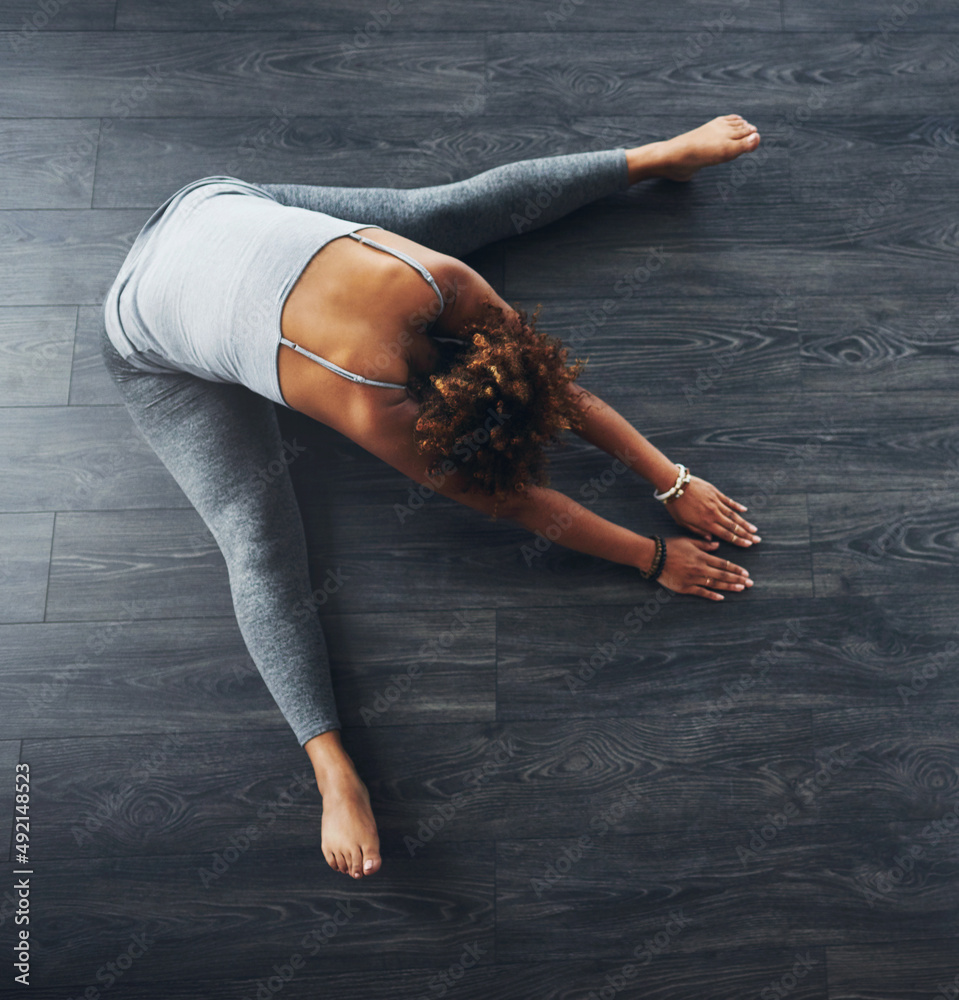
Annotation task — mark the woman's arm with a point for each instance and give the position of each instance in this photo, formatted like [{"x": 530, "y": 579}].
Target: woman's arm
[
  {"x": 386, "y": 430},
  {"x": 701, "y": 508}
]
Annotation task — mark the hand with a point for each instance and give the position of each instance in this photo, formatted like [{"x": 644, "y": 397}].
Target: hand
[
  {"x": 691, "y": 568},
  {"x": 705, "y": 511}
]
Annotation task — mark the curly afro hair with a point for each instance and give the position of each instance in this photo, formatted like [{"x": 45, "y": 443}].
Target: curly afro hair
[{"x": 495, "y": 401}]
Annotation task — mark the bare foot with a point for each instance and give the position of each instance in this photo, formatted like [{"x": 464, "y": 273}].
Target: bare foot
[
  {"x": 349, "y": 839},
  {"x": 724, "y": 138},
  {"x": 350, "y": 842}
]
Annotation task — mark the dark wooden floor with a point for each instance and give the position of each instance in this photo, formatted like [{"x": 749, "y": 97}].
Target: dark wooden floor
[{"x": 752, "y": 799}]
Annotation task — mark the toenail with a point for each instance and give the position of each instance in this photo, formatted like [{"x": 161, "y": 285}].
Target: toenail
[{"x": 367, "y": 865}]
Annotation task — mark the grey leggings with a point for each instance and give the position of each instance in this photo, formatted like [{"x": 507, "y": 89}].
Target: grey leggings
[{"x": 210, "y": 435}]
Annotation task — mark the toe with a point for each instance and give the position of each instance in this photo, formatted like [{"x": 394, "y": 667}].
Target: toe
[{"x": 371, "y": 860}]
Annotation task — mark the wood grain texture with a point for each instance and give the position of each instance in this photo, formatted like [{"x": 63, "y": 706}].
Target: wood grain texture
[
  {"x": 79, "y": 458},
  {"x": 164, "y": 560},
  {"x": 780, "y": 769},
  {"x": 49, "y": 162},
  {"x": 424, "y": 914},
  {"x": 885, "y": 542},
  {"x": 25, "y": 566},
  {"x": 707, "y": 667},
  {"x": 160, "y": 73},
  {"x": 810, "y": 71},
  {"x": 622, "y": 890},
  {"x": 911, "y": 970},
  {"x": 36, "y": 351},
  {"x": 9, "y": 758},
  {"x": 435, "y": 17}
]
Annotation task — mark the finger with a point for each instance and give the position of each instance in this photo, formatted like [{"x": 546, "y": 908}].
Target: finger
[
  {"x": 737, "y": 535},
  {"x": 705, "y": 546},
  {"x": 743, "y": 523},
  {"x": 727, "y": 569},
  {"x": 703, "y": 592},
  {"x": 733, "y": 503}
]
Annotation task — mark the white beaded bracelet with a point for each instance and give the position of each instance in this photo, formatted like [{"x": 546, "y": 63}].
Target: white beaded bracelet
[{"x": 677, "y": 488}]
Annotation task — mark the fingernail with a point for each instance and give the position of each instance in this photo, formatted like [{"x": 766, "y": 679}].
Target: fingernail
[
  {"x": 758, "y": 539},
  {"x": 749, "y": 583}
]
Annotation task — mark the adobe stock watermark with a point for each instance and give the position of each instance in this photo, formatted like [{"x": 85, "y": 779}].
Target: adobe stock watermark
[
  {"x": 465, "y": 448},
  {"x": 90, "y": 822},
  {"x": 708, "y": 375},
  {"x": 929, "y": 671},
  {"x": 605, "y": 651},
  {"x": 644, "y": 953},
  {"x": 788, "y": 981},
  {"x": 452, "y": 118},
  {"x": 120, "y": 107},
  {"x": 694, "y": 45},
  {"x": 807, "y": 789},
  {"x": 762, "y": 662},
  {"x": 45, "y": 12},
  {"x": 430, "y": 826},
  {"x": 885, "y": 883},
  {"x": 101, "y": 639},
  {"x": 892, "y": 193},
  {"x": 290, "y": 451},
  {"x": 443, "y": 981},
  {"x": 110, "y": 972},
  {"x": 401, "y": 684},
  {"x": 600, "y": 824},
  {"x": 221, "y": 861}
]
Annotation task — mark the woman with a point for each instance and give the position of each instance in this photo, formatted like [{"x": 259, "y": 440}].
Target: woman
[{"x": 236, "y": 296}]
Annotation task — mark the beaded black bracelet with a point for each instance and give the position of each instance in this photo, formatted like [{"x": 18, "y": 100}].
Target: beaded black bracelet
[{"x": 659, "y": 560}]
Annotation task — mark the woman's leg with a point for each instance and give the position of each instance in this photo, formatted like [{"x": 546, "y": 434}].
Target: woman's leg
[
  {"x": 518, "y": 197},
  {"x": 215, "y": 438},
  {"x": 461, "y": 217}
]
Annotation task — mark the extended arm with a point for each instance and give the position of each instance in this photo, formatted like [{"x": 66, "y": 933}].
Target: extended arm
[{"x": 387, "y": 432}]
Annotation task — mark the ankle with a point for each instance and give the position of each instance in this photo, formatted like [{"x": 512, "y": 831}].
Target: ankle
[{"x": 643, "y": 162}]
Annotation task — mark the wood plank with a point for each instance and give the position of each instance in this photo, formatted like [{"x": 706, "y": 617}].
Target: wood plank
[
  {"x": 24, "y": 19},
  {"x": 25, "y": 540},
  {"x": 887, "y": 344},
  {"x": 422, "y": 914},
  {"x": 807, "y": 887},
  {"x": 166, "y": 560},
  {"x": 746, "y": 656},
  {"x": 896, "y": 160},
  {"x": 49, "y": 162},
  {"x": 860, "y": 15},
  {"x": 884, "y": 543},
  {"x": 903, "y": 759},
  {"x": 911, "y": 970},
  {"x": 80, "y": 458},
  {"x": 9, "y": 758},
  {"x": 428, "y": 17},
  {"x": 164, "y": 73},
  {"x": 718, "y": 250},
  {"x": 81, "y": 679},
  {"x": 432, "y": 785},
  {"x": 36, "y": 352},
  {"x": 534, "y": 73}
]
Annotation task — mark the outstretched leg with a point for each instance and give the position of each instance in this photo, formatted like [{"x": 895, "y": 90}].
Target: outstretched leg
[
  {"x": 518, "y": 197},
  {"x": 214, "y": 438}
]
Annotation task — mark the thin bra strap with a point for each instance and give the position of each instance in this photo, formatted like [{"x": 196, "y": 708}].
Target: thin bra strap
[
  {"x": 352, "y": 376},
  {"x": 409, "y": 260}
]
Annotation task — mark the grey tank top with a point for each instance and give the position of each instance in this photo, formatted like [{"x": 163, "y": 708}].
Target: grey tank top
[{"x": 203, "y": 286}]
